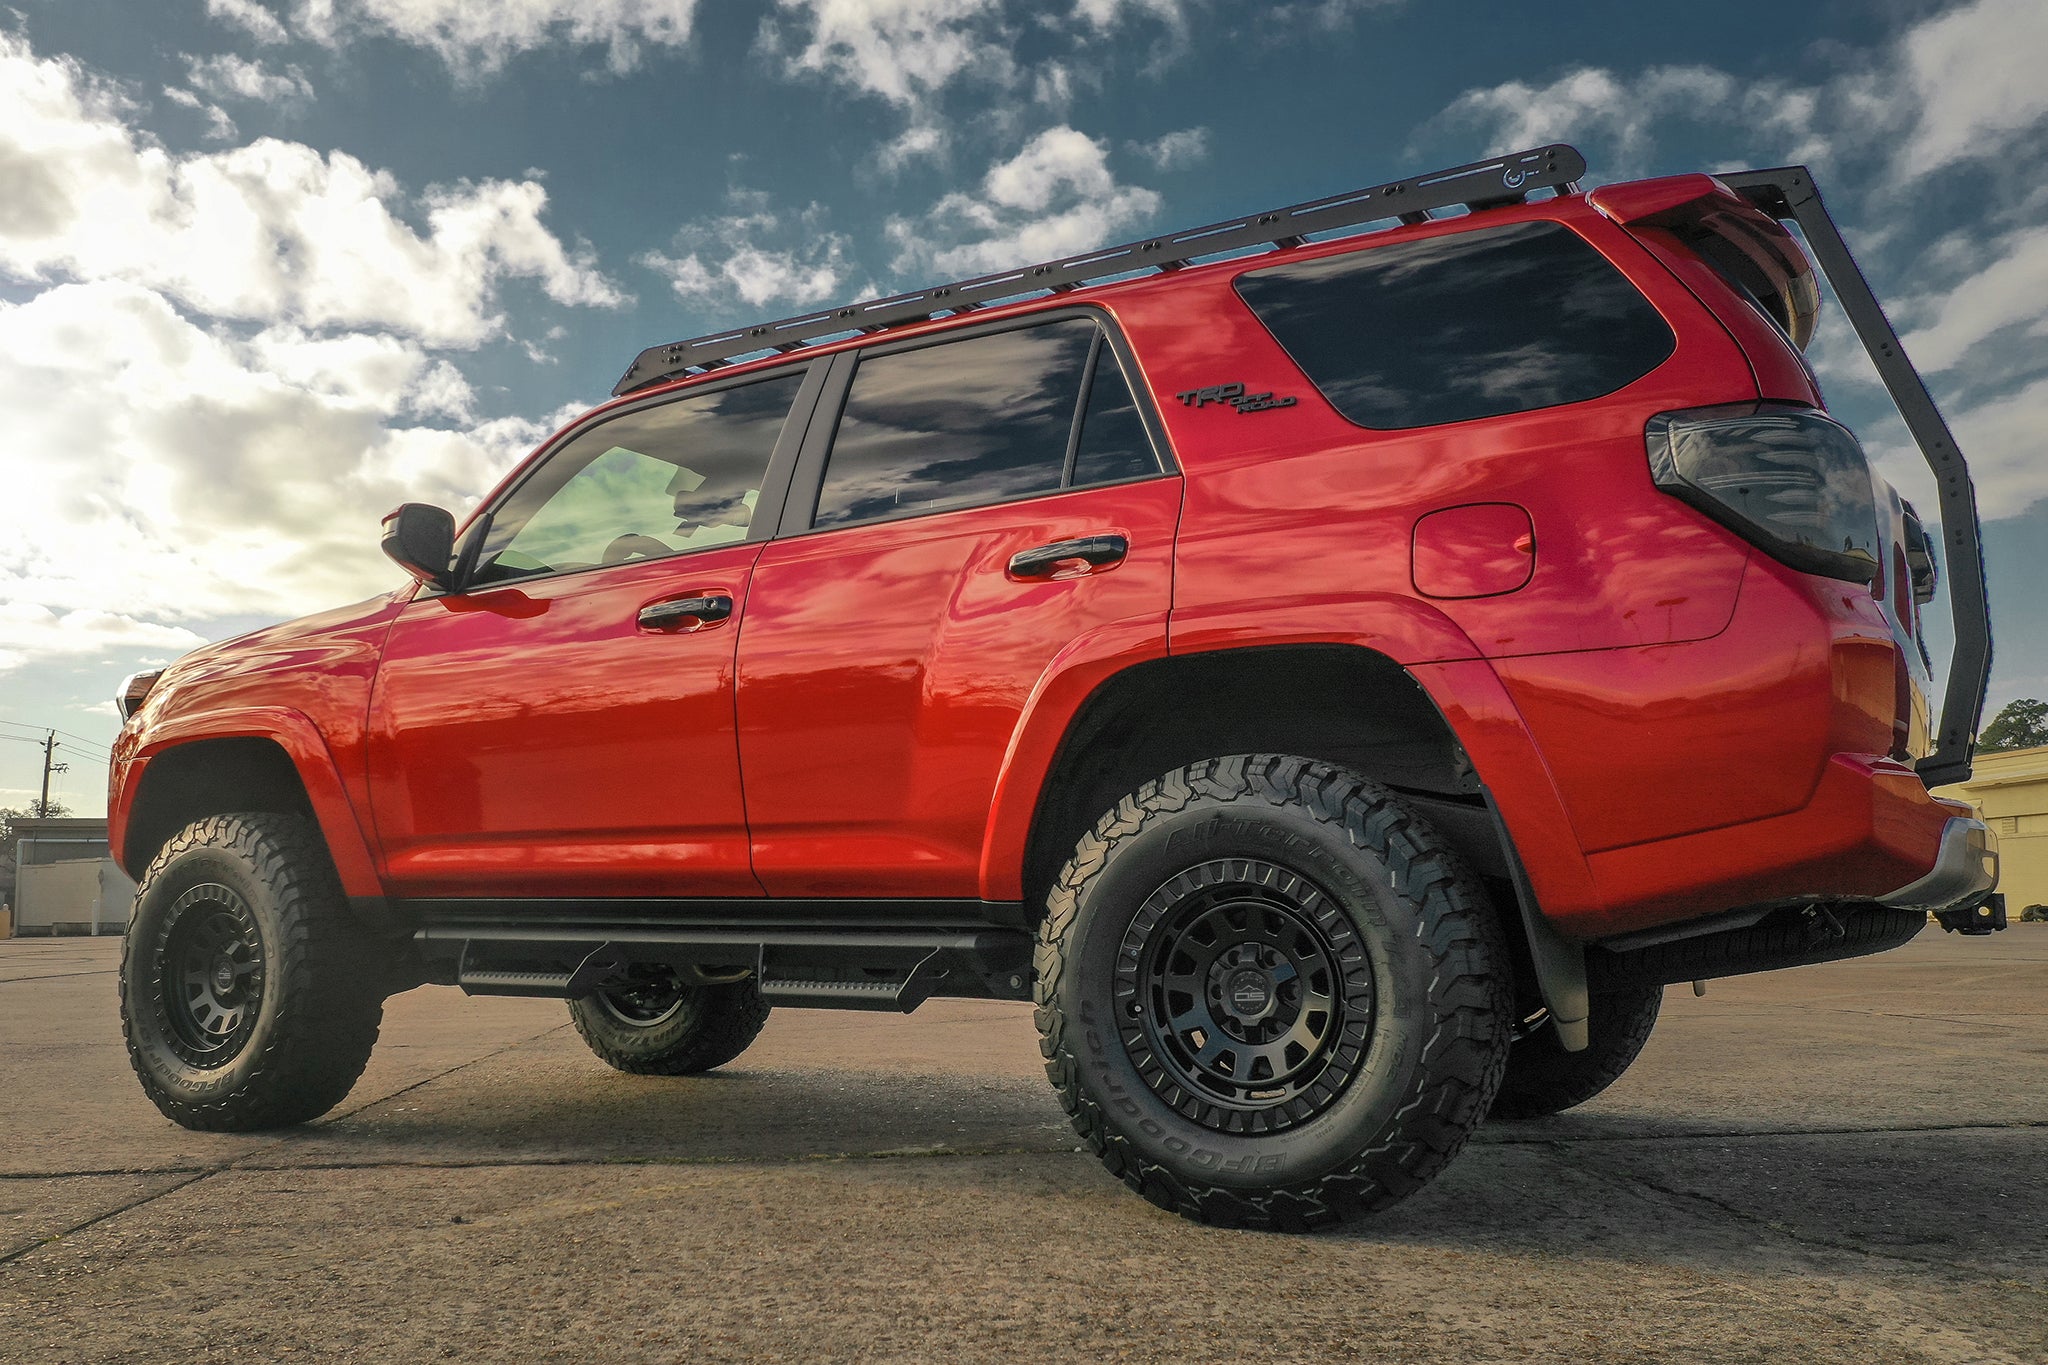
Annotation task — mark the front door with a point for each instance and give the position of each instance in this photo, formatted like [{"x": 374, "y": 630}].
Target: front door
[
  {"x": 986, "y": 506},
  {"x": 563, "y": 725}
]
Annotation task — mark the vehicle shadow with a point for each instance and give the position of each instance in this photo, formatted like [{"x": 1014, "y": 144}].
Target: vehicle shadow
[{"x": 1658, "y": 1186}]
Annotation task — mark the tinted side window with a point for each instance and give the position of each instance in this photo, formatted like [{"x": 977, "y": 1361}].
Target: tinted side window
[
  {"x": 1113, "y": 444},
  {"x": 659, "y": 481},
  {"x": 1473, "y": 324},
  {"x": 980, "y": 420}
]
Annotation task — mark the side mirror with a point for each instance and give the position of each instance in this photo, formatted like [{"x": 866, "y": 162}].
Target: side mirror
[{"x": 421, "y": 538}]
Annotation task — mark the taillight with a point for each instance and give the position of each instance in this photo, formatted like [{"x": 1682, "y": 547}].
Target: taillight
[
  {"x": 134, "y": 688},
  {"x": 1920, "y": 562},
  {"x": 1788, "y": 479}
]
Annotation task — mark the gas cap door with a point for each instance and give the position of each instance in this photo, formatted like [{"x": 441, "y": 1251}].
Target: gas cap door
[{"x": 1482, "y": 549}]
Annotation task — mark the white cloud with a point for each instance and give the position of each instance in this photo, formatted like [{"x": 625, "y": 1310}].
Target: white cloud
[
  {"x": 476, "y": 37},
  {"x": 903, "y": 51},
  {"x": 219, "y": 127},
  {"x": 754, "y": 276},
  {"x": 273, "y": 231},
  {"x": 163, "y": 472},
  {"x": 1104, "y": 14},
  {"x": 1053, "y": 85},
  {"x": 29, "y": 631},
  {"x": 2010, "y": 291},
  {"x": 1187, "y": 147},
  {"x": 258, "y": 22},
  {"x": 479, "y": 36},
  {"x": 1978, "y": 74},
  {"x": 741, "y": 257},
  {"x": 1054, "y": 198},
  {"x": 919, "y": 140},
  {"x": 2001, "y": 438},
  {"x": 1961, "y": 85},
  {"x": 1327, "y": 14},
  {"x": 1625, "y": 113},
  {"x": 227, "y": 76}
]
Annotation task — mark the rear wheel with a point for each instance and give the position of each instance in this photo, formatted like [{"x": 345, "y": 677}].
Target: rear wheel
[
  {"x": 664, "y": 1025},
  {"x": 1544, "y": 1079},
  {"x": 1268, "y": 994},
  {"x": 249, "y": 996}
]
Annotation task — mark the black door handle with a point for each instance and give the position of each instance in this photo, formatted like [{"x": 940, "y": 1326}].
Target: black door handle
[
  {"x": 662, "y": 615},
  {"x": 1093, "y": 550}
]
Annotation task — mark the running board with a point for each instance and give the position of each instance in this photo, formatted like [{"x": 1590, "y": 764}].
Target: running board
[
  {"x": 894, "y": 969},
  {"x": 853, "y": 989}
]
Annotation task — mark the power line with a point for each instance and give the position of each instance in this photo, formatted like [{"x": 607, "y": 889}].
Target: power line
[{"x": 77, "y": 740}]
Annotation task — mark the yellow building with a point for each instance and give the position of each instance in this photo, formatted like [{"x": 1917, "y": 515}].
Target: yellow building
[{"x": 2010, "y": 792}]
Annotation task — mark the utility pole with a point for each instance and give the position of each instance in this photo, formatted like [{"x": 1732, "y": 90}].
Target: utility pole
[{"x": 49, "y": 753}]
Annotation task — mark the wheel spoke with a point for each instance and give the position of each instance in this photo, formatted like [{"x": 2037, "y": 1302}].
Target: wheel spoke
[{"x": 1245, "y": 997}]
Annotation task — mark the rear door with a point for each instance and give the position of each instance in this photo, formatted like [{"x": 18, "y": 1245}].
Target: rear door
[
  {"x": 563, "y": 725},
  {"x": 985, "y": 505}
]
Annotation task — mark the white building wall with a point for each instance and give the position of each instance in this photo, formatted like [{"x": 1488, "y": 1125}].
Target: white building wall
[{"x": 81, "y": 896}]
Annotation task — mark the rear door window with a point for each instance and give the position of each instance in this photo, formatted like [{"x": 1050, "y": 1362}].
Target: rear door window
[
  {"x": 985, "y": 419},
  {"x": 1470, "y": 324}
]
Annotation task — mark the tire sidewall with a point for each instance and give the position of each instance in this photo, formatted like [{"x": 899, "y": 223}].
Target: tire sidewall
[
  {"x": 147, "y": 996},
  {"x": 1358, "y": 883},
  {"x": 644, "y": 1042}
]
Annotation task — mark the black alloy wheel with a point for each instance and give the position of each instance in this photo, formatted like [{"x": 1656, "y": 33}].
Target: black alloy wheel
[
  {"x": 644, "y": 1004},
  {"x": 1246, "y": 997},
  {"x": 209, "y": 954}
]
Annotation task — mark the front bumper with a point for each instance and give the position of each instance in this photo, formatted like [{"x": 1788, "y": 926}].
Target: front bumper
[{"x": 1965, "y": 871}]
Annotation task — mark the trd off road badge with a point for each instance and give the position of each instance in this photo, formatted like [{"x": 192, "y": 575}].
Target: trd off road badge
[{"x": 1234, "y": 395}]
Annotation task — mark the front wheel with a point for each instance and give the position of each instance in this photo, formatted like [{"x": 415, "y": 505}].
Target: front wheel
[
  {"x": 249, "y": 996},
  {"x": 663, "y": 1025},
  {"x": 1269, "y": 995}
]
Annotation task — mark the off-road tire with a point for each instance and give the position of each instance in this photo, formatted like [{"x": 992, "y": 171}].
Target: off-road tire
[
  {"x": 317, "y": 1000},
  {"x": 709, "y": 1026},
  {"x": 1544, "y": 1079},
  {"x": 1438, "y": 1022}
]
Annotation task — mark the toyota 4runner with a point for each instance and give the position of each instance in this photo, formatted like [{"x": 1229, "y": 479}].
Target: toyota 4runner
[{"x": 1341, "y": 664}]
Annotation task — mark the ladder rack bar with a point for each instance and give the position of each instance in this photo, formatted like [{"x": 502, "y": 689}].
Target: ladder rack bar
[{"x": 1482, "y": 184}]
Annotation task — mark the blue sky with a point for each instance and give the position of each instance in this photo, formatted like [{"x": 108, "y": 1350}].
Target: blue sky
[{"x": 269, "y": 267}]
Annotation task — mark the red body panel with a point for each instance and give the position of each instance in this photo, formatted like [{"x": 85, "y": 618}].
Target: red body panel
[
  {"x": 885, "y": 668},
  {"x": 1300, "y": 510},
  {"x": 534, "y": 740},
  {"x": 304, "y": 685},
  {"x": 1670, "y": 723}
]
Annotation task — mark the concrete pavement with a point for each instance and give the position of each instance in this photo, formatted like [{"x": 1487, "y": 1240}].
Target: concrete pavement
[{"x": 1843, "y": 1163}]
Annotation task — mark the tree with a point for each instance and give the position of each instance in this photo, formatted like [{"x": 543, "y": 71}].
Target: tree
[{"x": 2023, "y": 724}]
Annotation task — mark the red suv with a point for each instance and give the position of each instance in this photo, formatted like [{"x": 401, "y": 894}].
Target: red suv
[{"x": 1341, "y": 675}]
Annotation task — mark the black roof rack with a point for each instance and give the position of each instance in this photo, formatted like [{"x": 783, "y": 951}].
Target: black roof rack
[{"x": 1482, "y": 184}]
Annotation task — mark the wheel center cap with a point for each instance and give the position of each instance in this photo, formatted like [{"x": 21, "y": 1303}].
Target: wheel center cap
[
  {"x": 1249, "y": 993},
  {"x": 223, "y": 975}
]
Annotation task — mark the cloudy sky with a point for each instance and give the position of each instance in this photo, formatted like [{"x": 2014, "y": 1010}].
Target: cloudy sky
[{"x": 269, "y": 267}]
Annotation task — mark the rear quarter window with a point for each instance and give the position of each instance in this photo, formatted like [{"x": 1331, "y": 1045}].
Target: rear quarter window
[{"x": 1470, "y": 324}]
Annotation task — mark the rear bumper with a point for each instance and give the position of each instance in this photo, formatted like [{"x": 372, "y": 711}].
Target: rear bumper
[
  {"x": 1870, "y": 832},
  {"x": 1965, "y": 870}
]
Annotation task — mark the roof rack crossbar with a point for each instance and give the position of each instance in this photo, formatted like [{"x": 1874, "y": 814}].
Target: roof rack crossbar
[{"x": 1501, "y": 179}]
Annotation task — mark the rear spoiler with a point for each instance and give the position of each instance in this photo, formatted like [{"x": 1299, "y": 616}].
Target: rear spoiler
[{"x": 1788, "y": 194}]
